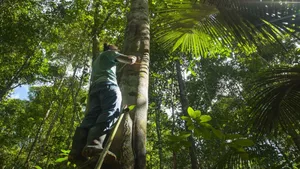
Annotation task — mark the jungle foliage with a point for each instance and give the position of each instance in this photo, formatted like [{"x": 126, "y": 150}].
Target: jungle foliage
[{"x": 224, "y": 86}]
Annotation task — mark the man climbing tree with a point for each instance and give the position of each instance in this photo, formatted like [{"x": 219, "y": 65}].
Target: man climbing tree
[{"x": 103, "y": 108}]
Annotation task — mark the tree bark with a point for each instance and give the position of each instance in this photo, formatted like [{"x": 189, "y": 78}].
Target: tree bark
[
  {"x": 75, "y": 94},
  {"x": 17, "y": 158},
  {"x": 134, "y": 86},
  {"x": 158, "y": 131},
  {"x": 95, "y": 31},
  {"x": 95, "y": 43},
  {"x": 37, "y": 135},
  {"x": 184, "y": 104},
  {"x": 173, "y": 121},
  {"x": 51, "y": 126}
]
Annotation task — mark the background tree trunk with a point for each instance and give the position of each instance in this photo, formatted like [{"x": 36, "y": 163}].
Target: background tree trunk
[
  {"x": 40, "y": 128},
  {"x": 44, "y": 142},
  {"x": 174, "y": 154},
  {"x": 95, "y": 31},
  {"x": 185, "y": 104},
  {"x": 158, "y": 131}
]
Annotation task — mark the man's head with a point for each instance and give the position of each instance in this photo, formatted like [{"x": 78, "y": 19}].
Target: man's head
[{"x": 110, "y": 47}]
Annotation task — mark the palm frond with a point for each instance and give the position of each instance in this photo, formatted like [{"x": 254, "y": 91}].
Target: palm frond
[
  {"x": 231, "y": 159},
  {"x": 195, "y": 42},
  {"x": 283, "y": 14},
  {"x": 276, "y": 99},
  {"x": 231, "y": 25},
  {"x": 264, "y": 154}
]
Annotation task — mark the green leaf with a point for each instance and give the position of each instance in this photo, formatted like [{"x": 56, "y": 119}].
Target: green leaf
[
  {"x": 186, "y": 144},
  {"x": 152, "y": 104},
  {"x": 173, "y": 138},
  {"x": 197, "y": 132},
  {"x": 206, "y": 125},
  {"x": 131, "y": 107},
  {"x": 65, "y": 151},
  {"x": 184, "y": 135},
  {"x": 198, "y": 113},
  {"x": 194, "y": 114},
  {"x": 233, "y": 136},
  {"x": 59, "y": 160},
  {"x": 243, "y": 142},
  {"x": 218, "y": 133},
  {"x": 240, "y": 149},
  {"x": 189, "y": 122},
  {"x": 37, "y": 167},
  {"x": 234, "y": 146},
  {"x": 190, "y": 111},
  {"x": 186, "y": 118},
  {"x": 206, "y": 134},
  {"x": 82, "y": 100},
  {"x": 31, "y": 119},
  {"x": 205, "y": 118},
  {"x": 193, "y": 73},
  {"x": 244, "y": 156},
  {"x": 191, "y": 127}
]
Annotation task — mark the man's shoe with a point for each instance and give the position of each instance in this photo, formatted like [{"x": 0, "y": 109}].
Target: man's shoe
[{"x": 95, "y": 144}]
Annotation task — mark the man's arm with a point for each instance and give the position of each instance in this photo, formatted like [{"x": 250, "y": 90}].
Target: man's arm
[{"x": 128, "y": 59}]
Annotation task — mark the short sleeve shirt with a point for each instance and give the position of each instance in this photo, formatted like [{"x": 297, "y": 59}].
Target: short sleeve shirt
[{"x": 104, "y": 67}]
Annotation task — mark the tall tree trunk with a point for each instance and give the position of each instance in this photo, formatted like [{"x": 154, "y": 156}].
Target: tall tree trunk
[
  {"x": 40, "y": 128},
  {"x": 51, "y": 126},
  {"x": 95, "y": 45},
  {"x": 95, "y": 31},
  {"x": 184, "y": 104},
  {"x": 158, "y": 131},
  {"x": 134, "y": 87},
  {"x": 97, "y": 27},
  {"x": 17, "y": 163},
  {"x": 37, "y": 135},
  {"x": 173, "y": 121},
  {"x": 75, "y": 93}
]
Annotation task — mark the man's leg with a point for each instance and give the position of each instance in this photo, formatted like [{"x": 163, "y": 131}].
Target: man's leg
[
  {"x": 110, "y": 98},
  {"x": 79, "y": 141},
  {"x": 81, "y": 133}
]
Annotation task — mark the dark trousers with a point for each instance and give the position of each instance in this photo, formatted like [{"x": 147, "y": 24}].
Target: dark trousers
[{"x": 104, "y": 106}]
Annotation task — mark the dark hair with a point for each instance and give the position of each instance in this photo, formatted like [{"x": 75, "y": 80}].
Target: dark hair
[{"x": 110, "y": 47}]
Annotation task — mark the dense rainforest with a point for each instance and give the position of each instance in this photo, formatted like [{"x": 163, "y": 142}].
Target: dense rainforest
[{"x": 218, "y": 84}]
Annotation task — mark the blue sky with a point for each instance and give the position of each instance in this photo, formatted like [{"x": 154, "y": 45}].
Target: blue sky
[{"x": 20, "y": 92}]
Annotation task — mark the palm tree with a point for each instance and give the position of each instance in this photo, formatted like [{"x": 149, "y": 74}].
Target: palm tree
[{"x": 275, "y": 104}]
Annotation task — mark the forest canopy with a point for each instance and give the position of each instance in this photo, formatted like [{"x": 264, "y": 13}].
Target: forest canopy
[{"x": 219, "y": 81}]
